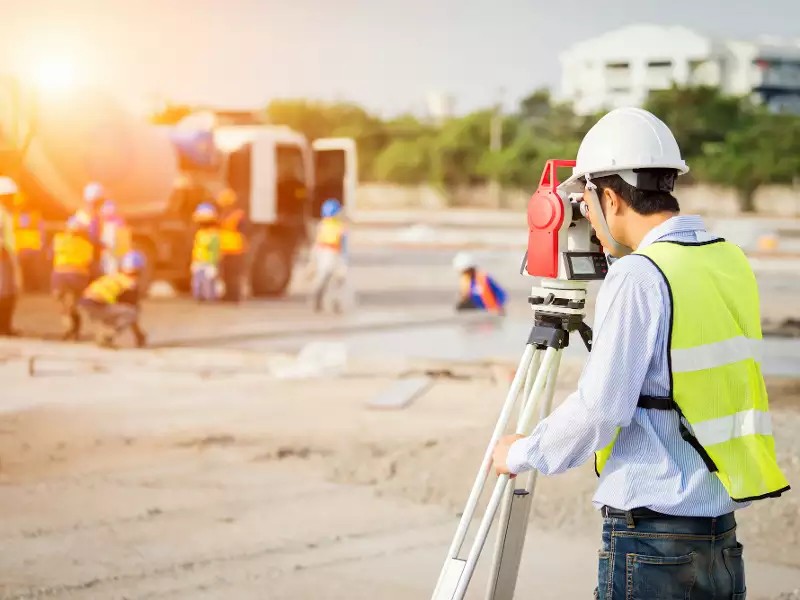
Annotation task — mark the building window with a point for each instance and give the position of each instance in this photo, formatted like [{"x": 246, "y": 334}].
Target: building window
[
  {"x": 660, "y": 64},
  {"x": 618, "y": 66}
]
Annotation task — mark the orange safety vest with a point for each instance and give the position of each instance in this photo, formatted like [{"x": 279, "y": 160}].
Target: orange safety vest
[
  {"x": 72, "y": 253},
  {"x": 330, "y": 233},
  {"x": 479, "y": 287},
  {"x": 27, "y": 232},
  {"x": 109, "y": 288},
  {"x": 231, "y": 240}
]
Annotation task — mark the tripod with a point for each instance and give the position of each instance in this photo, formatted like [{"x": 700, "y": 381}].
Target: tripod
[{"x": 559, "y": 309}]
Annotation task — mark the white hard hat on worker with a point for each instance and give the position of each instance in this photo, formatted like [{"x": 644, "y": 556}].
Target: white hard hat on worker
[{"x": 627, "y": 142}]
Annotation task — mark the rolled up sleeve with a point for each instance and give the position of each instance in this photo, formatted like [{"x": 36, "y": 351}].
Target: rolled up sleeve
[{"x": 628, "y": 312}]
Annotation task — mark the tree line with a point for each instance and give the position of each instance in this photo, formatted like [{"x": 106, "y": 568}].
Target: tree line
[{"x": 726, "y": 140}]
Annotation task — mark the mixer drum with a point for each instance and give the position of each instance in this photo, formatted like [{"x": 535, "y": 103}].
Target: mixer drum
[{"x": 87, "y": 137}]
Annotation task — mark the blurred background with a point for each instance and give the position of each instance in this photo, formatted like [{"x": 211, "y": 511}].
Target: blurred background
[{"x": 275, "y": 446}]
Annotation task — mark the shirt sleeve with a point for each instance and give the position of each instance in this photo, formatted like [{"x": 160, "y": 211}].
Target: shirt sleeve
[{"x": 627, "y": 322}]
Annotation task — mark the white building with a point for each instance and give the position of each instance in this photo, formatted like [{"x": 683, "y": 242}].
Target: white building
[{"x": 621, "y": 67}]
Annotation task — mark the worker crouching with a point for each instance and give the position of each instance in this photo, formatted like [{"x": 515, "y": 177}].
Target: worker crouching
[
  {"x": 73, "y": 260},
  {"x": 111, "y": 302},
  {"x": 478, "y": 290},
  {"x": 205, "y": 253},
  {"x": 329, "y": 257}
]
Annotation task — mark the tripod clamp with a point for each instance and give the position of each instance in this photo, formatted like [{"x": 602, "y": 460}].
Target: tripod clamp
[{"x": 557, "y": 313}]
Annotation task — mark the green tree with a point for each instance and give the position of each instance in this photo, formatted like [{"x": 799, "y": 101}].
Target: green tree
[
  {"x": 699, "y": 115},
  {"x": 765, "y": 151}
]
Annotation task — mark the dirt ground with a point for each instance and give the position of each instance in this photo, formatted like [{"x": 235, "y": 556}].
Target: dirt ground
[{"x": 149, "y": 475}]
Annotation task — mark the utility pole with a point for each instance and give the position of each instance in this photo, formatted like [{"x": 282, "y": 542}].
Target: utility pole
[{"x": 496, "y": 144}]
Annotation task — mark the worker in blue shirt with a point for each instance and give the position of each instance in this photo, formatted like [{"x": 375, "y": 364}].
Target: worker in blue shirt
[{"x": 671, "y": 403}]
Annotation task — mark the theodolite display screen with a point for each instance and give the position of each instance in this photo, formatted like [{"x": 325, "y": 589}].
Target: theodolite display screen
[{"x": 586, "y": 265}]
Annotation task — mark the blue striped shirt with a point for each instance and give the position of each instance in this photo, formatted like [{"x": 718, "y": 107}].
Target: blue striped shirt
[{"x": 651, "y": 465}]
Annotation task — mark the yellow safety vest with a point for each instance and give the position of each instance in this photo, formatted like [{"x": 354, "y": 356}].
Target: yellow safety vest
[
  {"x": 72, "y": 253},
  {"x": 330, "y": 233},
  {"x": 231, "y": 240},
  {"x": 206, "y": 246},
  {"x": 108, "y": 288},
  {"x": 717, "y": 386},
  {"x": 29, "y": 235}
]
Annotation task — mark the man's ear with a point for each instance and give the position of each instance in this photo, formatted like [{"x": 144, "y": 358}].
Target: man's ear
[{"x": 613, "y": 203}]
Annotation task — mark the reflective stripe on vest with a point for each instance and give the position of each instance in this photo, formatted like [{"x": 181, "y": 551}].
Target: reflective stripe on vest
[
  {"x": 714, "y": 357},
  {"x": 27, "y": 234},
  {"x": 108, "y": 288},
  {"x": 206, "y": 246},
  {"x": 72, "y": 253},
  {"x": 330, "y": 233},
  {"x": 231, "y": 240}
]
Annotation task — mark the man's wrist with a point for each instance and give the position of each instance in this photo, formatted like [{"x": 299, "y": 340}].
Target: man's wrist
[{"x": 517, "y": 460}]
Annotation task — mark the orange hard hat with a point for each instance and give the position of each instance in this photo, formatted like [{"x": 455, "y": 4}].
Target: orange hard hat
[{"x": 226, "y": 197}]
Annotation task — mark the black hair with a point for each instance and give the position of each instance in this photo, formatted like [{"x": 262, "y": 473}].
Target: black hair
[{"x": 643, "y": 201}]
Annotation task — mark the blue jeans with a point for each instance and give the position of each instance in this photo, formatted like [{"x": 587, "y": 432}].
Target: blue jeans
[{"x": 670, "y": 558}]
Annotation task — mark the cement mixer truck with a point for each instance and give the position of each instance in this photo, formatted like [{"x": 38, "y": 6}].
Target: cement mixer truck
[{"x": 53, "y": 146}]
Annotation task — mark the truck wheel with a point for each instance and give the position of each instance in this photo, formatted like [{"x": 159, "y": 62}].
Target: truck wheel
[
  {"x": 182, "y": 285},
  {"x": 146, "y": 278},
  {"x": 271, "y": 270}
]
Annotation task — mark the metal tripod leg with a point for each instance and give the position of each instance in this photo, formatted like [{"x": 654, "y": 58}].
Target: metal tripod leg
[
  {"x": 515, "y": 510},
  {"x": 550, "y": 356},
  {"x": 453, "y": 567}
]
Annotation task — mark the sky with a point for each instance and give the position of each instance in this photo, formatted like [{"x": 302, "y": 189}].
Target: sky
[{"x": 385, "y": 54}]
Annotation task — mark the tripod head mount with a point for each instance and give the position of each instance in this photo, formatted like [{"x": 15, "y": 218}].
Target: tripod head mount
[{"x": 559, "y": 308}]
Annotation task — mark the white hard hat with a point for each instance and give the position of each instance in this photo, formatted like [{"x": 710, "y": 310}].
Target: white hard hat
[
  {"x": 8, "y": 187},
  {"x": 93, "y": 192},
  {"x": 623, "y": 140},
  {"x": 463, "y": 261}
]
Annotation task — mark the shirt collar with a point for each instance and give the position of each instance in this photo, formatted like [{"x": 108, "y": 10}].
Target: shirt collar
[{"x": 676, "y": 224}]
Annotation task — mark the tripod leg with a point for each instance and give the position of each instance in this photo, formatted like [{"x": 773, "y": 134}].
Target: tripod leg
[
  {"x": 515, "y": 509},
  {"x": 550, "y": 356},
  {"x": 453, "y": 567}
]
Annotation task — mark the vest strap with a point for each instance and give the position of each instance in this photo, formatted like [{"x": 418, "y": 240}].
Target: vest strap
[
  {"x": 656, "y": 402},
  {"x": 667, "y": 403}
]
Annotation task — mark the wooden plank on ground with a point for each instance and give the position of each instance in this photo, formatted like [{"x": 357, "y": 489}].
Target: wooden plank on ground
[{"x": 401, "y": 393}]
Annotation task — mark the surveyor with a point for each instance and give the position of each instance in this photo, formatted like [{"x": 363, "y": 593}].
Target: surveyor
[
  {"x": 205, "y": 253},
  {"x": 29, "y": 240},
  {"x": 232, "y": 243},
  {"x": 672, "y": 402},
  {"x": 478, "y": 290},
  {"x": 115, "y": 237},
  {"x": 329, "y": 257},
  {"x": 10, "y": 279},
  {"x": 73, "y": 258},
  {"x": 111, "y": 302}
]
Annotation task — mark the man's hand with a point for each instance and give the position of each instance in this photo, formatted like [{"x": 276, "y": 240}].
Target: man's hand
[{"x": 500, "y": 454}]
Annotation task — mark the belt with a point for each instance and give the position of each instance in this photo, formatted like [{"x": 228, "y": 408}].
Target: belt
[{"x": 634, "y": 514}]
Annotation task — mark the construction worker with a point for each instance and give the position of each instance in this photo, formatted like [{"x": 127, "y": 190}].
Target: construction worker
[
  {"x": 29, "y": 238},
  {"x": 672, "y": 402},
  {"x": 112, "y": 302},
  {"x": 205, "y": 253},
  {"x": 10, "y": 280},
  {"x": 73, "y": 257},
  {"x": 329, "y": 256},
  {"x": 478, "y": 290},
  {"x": 94, "y": 196},
  {"x": 115, "y": 237},
  {"x": 233, "y": 244}
]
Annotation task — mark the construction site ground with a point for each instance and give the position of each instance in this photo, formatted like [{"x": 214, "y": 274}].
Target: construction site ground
[{"x": 218, "y": 464}]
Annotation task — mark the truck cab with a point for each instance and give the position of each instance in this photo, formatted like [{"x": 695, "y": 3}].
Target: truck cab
[{"x": 281, "y": 181}]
